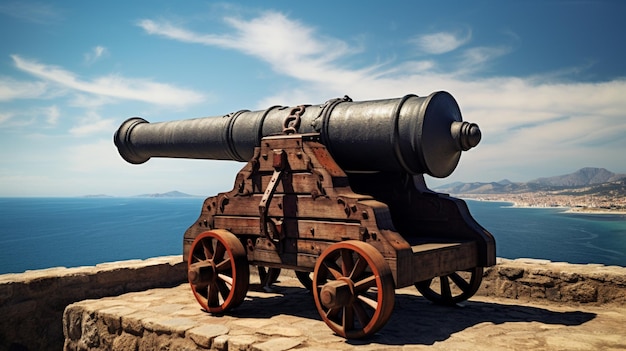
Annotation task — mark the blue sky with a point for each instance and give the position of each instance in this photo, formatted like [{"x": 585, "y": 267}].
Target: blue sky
[{"x": 545, "y": 80}]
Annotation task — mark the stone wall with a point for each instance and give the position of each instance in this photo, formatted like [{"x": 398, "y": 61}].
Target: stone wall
[
  {"x": 532, "y": 279},
  {"x": 32, "y": 303}
]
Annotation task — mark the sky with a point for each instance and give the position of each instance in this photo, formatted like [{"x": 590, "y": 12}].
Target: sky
[{"x": 544, "y": 80}]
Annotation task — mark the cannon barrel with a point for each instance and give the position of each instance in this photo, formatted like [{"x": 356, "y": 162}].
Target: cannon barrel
[{"x": 411, "y": 134}]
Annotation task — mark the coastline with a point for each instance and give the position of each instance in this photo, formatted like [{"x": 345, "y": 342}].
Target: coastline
[{"x": 516, "y": 203}]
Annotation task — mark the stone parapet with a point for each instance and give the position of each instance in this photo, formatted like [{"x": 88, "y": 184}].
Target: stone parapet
[
  {"x": 533, "y": 279},
  {"x": 286, "y": 319},
  {"x": 32, "y": 303}
]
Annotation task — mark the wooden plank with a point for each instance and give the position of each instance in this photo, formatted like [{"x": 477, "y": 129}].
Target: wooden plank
[
  {"x": 322, "y": 230},
  {"x": 295, "y": 253},
  {"x": 238, "y": 224},
  {"x": 432, "y": 246},
  {"x": 293, "y": 228},
  {"x": 434, "y": 260},
  {"x": 293, "y": 183},
  {"x": 292, "y": 147},
  {"x": 302, "y": 206}
]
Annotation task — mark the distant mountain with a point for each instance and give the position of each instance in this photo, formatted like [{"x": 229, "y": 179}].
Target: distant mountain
[
  {"x": 168, "y": 194},
  {"x": 582, "y": 177},
  {"x": 587, "y": 179}
]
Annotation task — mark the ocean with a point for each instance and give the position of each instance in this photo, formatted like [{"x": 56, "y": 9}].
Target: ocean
[{"x": 38, "y": 233}]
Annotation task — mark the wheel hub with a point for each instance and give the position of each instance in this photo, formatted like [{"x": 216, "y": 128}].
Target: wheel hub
[
  {"x": 201, "y": 273},
  {"x": 337, "y": 293}
]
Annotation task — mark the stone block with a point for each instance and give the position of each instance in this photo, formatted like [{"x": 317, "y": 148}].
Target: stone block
[
  {"x": 279, "y": 330},
  {"x": 240, "y": 342},
  {"x": 569, "y": 277},
  {"x": 72, "y": 322},
  {"x": 168, "y": 325},
  {"x": 511, "y": 273},
  {"x": 90, "y": 337},
  {"x": 533, "y": 281},
  {"x": 220, "y": 343},
  {"x": 205, "y": 334},
  {"x": 132, "y": 323},
  {"x": 126, "y": 342},
  {"x": 277, "y": 344},
  {"x": 580, "y": 292}
]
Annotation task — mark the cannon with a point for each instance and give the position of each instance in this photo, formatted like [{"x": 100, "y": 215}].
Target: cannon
[{"x": 335, "y": 192}]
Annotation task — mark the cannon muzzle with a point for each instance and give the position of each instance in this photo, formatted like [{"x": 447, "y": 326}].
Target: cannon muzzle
[{"x": 409, "y": 134}]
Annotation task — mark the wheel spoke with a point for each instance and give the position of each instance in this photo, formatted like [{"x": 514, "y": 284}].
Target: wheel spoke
[
  {"x": 208, "y": 250},
  {"x": 228, "y": 280},
  {"x": 213, "y": 298},
  {"x": 368, "y": 301},
  {"x": 220, "y": 249},
  {"x": 347, "y": 262},
  {"x": 348, "y": 318},
  {"x": 359, "y": 267},
  {"x": 224, "y": 289},
  {"x": 223, "y": 266},
  {"x": 361, "y": 313},
  {"x": 333, "y": 269},
  {"x": 332, "y": 313},
  {"x": 444, "y": 283},
  {"x": 364, "y": 284},
  {"x": 460, "y": 282}
]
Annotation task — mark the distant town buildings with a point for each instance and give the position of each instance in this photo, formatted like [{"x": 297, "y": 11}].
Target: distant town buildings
[{"x": 576, "y": 203}]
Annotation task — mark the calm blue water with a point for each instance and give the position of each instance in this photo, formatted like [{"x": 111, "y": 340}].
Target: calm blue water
[
  {"x": 48, "y": 232},
  {"x": 550, "y": 233},
  {"x": 39, "y": 233}
]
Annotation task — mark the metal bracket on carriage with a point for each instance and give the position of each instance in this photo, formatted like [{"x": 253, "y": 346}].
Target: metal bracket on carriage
[
  {"x": 319, "y": 177},
  {"x": 272, "y": 228},
  {"x": 348, "y": 208}
]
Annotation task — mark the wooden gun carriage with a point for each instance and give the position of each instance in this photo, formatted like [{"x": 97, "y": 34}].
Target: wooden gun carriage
[{"x": 335, "y": 192}]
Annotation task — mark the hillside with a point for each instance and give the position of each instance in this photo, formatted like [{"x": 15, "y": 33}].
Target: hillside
[
  {"x": 588, "y": 189},
  {"x": 587, "y": 181}
]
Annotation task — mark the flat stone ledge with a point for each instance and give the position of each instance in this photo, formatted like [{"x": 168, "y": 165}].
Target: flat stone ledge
[{"x": 160, "y": 319}]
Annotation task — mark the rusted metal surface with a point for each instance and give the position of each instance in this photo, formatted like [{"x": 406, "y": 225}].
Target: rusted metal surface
[
  {"x": 352, "y": 237},
  {"x": 416, "y": 135}
]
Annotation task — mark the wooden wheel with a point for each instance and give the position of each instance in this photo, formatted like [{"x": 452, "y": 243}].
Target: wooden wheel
[
  {"x": 452, "y": 288},
  {"x": 353, "y": 289},
  {"x": 218, "y": 270}
]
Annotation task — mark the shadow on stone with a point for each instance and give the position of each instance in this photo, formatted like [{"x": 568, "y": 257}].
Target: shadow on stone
[{"x": 415, "y": 320}]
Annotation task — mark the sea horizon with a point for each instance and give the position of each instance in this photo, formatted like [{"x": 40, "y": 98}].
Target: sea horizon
[{"x": 45, "y": 232}]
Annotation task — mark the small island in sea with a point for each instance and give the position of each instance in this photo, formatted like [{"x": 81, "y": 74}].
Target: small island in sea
[{"x": 169, "y": 194}]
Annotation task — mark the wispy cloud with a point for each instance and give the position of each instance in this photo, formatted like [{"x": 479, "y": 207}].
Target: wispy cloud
[
  {"x": 111, "y": 85},
  {"x": 477, "y": 56},
  {"x": 289, "y": 46},
  {"x": 34, "y": 12},
  {"x": 521, "y": 117},
  {"x": 11, "y": 89},
  {"x": 95, "y": 54},
  {"x": 92, "y": 124},
  {"x": 52, "y": 114},
  {"x": 5, "y": 116},
  {"x": 441, "y": 42}
]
